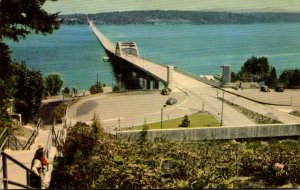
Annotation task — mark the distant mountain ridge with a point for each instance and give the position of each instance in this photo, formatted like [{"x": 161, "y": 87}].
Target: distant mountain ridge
[{"x": 182, "y": 17}]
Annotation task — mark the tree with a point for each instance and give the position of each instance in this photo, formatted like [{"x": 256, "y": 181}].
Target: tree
[
  {"x": 255, "y": 69},
  {"x": 7, "y": 84},
  {"x": 185, "y": 122},
  {"x": 295, "y": 79},
  {"x": 29, "y": 91},
  {"x": 286, "y": 76},
  {"x": 18, "y": 18},
  {"x": 53, "y": 84},
  {"x": 96, "y": 88},
  {"x": 272, "y": 79}
]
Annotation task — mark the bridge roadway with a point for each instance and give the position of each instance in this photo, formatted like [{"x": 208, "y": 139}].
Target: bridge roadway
[{"x": 199, "y": 95}]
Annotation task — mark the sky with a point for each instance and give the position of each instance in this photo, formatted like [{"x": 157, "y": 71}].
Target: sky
[{"x": 96, "y": 6}]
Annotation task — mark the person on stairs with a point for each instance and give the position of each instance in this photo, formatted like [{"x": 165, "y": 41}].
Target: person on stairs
[
  {"x": 37, "y": 166},
  {"x": 39, "y": 154}
]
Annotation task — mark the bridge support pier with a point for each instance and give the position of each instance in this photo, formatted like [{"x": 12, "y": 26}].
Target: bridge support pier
[
  {"x": 148, "y": 83},
  {"x": 170, "y": 77},
  {"x": 156, "y": 84}
]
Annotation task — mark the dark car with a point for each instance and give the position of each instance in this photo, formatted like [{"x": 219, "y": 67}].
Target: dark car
[
  {"x": 279, "y": 89},
  {"x": 165, "y": 92},
  {"x": 171, "y": 101}
]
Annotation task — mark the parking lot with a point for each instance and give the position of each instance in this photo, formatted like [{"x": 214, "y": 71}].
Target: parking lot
[{"x": 287, "y": 98}]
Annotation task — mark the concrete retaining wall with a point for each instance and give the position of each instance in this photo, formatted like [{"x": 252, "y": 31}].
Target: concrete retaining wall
[{"x": 236, "y": 132}]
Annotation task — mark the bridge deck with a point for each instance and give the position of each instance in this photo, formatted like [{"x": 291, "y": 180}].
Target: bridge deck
[{"x": 153, "y": 69}]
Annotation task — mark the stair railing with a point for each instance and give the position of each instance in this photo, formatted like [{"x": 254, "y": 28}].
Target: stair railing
[
  {"x": 5, "y": 179},
  {"x": 34, "y": 134}
]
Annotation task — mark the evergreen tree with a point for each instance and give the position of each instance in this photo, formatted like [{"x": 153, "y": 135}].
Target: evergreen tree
[
  {"x": 295, "y": 79},
  {"x": 286, "y": 76},
  {"x": 272, "y": 79}
]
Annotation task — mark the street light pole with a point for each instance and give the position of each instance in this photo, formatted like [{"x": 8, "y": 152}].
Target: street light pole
[
  {"x": 222, "y": 110},
  {"x": 161, "y": 118}
]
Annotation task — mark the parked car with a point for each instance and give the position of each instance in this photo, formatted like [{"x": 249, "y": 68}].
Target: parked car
[
  {"x": 265, "y": 89},
  {"x": 279, "y": 89},
  {"x": 171, "y": 101},
  {"x": 165, "y": 92}
]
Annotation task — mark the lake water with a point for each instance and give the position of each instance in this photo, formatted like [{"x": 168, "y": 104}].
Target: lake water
[{"x": 75, "y": 53}]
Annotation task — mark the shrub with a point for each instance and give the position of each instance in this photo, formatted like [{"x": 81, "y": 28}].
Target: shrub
[
  {"x": 185, "y": 122},
  {"x": 60, "y": 112},
  {"x": 96, "y": 88}
]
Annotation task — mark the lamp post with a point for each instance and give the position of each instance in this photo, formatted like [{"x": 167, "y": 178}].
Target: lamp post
[
  {"x": 222, "y": 110},
  {"x": 161, "y": 118}
]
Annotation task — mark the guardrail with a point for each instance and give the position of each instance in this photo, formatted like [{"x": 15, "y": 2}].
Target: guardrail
[
  {"x": 5, "y": 179},
  {"x": 209, "y": 82}
]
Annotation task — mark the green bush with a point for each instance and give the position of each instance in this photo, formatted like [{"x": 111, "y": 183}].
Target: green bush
[
  {"x": 60, "y": 112},
  {"x": 94, "y": 161},
  {"x": 96, "y": 88}
]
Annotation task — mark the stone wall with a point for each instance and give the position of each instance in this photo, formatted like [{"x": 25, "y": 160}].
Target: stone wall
[{"x": 210, "y": 133}]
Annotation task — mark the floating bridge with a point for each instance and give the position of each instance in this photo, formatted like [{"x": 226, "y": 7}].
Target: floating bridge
[{"x": 126, "y": 53}]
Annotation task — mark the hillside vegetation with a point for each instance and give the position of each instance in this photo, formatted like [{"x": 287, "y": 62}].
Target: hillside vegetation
[
  {"x": 94, "y": 160},
  {"x": 181, "y": 17}
]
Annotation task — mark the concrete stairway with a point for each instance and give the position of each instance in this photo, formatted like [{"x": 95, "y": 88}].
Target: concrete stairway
[{"x": 18, "y": 174}]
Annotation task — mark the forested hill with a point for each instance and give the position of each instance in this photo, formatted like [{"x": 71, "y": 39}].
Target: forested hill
[{"x": 181, "y": 17}]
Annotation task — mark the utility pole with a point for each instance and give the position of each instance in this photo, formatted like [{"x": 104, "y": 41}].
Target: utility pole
[{"x": 222, "y": 110}]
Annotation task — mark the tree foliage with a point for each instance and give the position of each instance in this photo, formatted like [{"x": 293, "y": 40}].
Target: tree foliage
[
  {"x": 255, "y": 69},
  {"x": 29, "y": 91},
  {"x": 290, "y": 77},
  {"x": 271, "y": 80},
  {"x": 7, "y": 83},
  {"x": 53, "y": 84},
  {"x": 286, "y": 76},
  {"x": 181, "y": 17},
  {"x": 96, "y": 88},
  {"x": 18, "y": 18},
  {"x": 295, "y": 79},
  {"x": 93, "y": 162}
]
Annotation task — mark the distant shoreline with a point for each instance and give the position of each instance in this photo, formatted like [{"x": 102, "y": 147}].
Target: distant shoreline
[{"x": 155, "y": 17}]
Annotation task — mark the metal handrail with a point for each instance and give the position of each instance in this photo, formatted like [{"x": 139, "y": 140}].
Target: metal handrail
[
  {"x": 6, "y": 140},
  {"x": 6, "y": 181},
  {"x": 15, "y": 183},
  {"x": 31, "y": 139},
  {"x": 48, "y": 145},
  {"x": 4, "y": 132},
  {"x": 34, "y": 134}
]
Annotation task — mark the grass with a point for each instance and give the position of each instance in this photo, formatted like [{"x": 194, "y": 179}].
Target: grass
[{"x": 201, "y": 119}]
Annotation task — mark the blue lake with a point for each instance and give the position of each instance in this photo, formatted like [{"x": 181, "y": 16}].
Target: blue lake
[{"x": 75, "y": 53}]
